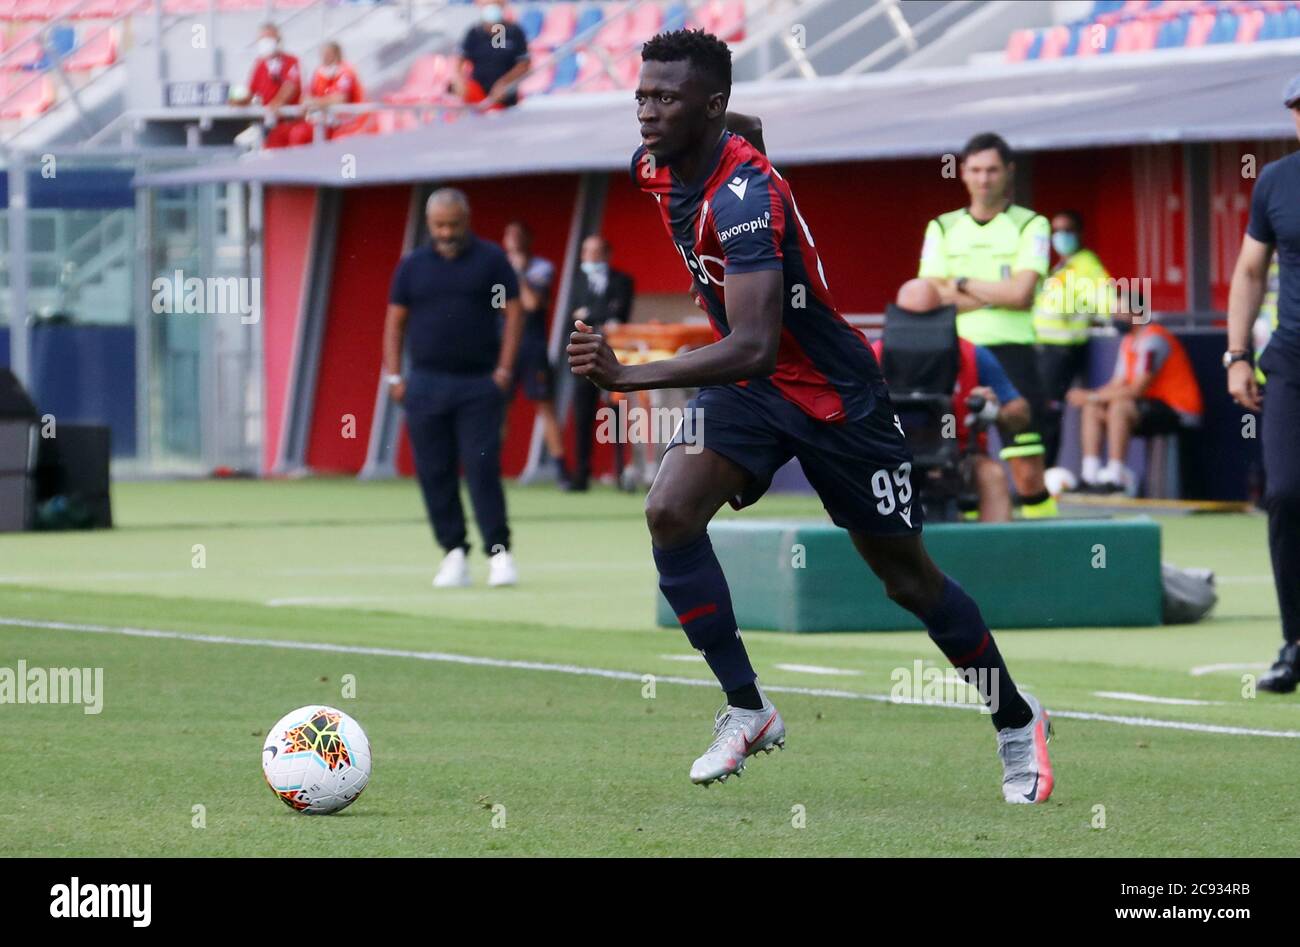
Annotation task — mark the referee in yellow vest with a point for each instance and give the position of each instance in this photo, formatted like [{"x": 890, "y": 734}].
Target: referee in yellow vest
[
  {"x": 1074, "y": 297},
  {"x": 987, "y": 259}
]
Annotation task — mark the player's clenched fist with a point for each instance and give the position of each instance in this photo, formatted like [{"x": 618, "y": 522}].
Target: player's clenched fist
[{"x": 591, "y": 357}]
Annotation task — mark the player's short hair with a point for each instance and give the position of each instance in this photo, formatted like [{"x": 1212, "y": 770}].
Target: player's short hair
[
  {"x": 527, "y": 230},
  {"x": 447, "y": 195},
  {"x": 985, "y": 141},
  {"x": 705, "y": 52},
  {"x": 1076, "y": 218},
  {"x": 269, "y": 27}
]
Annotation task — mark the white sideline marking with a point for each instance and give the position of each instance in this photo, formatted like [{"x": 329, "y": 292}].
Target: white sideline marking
[
  {"x": 1210, "y": 668},
  {"x": 693, "y": 658},
  {"x": 1149, "y": 699},
  {"x": 818, "y": 669},
  {"x": 447, "y": 658}
]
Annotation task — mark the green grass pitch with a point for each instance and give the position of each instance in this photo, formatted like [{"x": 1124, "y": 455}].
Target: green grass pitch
[{"x": 582, "y": 764}]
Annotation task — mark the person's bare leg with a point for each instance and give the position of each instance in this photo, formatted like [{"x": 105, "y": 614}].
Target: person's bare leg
[
  {"x": 1121, "y": 418},
  {"x": 1092, "y": 428},
  {"x": 994, "y": 493},
  {"x": 551, "y": 433}
]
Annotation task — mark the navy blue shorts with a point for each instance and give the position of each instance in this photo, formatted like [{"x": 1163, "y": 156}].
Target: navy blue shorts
[
  {"x": 861, "y": 469},
  {"x": 533, "y": 369}
]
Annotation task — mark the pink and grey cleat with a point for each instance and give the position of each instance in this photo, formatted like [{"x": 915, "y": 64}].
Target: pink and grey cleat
[
  {"x": 1026, "y": 767},
  {"x": 737, "y": 735}
]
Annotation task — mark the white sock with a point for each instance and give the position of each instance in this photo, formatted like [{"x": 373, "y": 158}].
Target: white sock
[
  {"x": 1114, "y": 472},
  {"x": 1091, "y": 469}
]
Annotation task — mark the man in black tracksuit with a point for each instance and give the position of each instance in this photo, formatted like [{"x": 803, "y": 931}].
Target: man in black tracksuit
[{"x": 1274, "y": 226}]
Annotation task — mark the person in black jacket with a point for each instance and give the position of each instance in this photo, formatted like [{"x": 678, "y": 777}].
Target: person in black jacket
[{"x": 602, "y": 298}]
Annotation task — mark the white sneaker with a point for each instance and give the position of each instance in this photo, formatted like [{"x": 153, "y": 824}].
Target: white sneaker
[
  {"x": 738, "y": 734},
  {"x": 454, "y": 571},
  {"x": 501, "y": 570}
]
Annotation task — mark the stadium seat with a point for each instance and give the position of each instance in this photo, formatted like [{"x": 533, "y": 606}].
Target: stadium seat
[
  {"x": 592, "y": 75},
  {"x": 1272, "y": 27},
  {"x": 24, "y": 96},
  {"x": 237, "y": 6},
  {"x": 1018, "y": 44},
  {"x": 1135, "y": 36},
  {"x": 426, "y": 82},
  {"x": 646, "y": 21},
  {"x": 60, "y": 39},
  {"x": 1249, "y": 25},
  {"x": 1199, "y": 29},
  {"x": 1036, "y": 47},
  {"x": 537, "y": 82},
  {"x": 108, "y": 9},
  {"x": 33, "y": 10},
  {"x": 98, "y": 50},
  {"x": 1055, "y": 42},
  {"x": 24, "y": 49},
  {"x": 614, "y": 34},
  {"x": 1225, "y": 28},
  {"x": 530, "y": 21},
  {"x": 566, "y": 72},
  {"x": 675, "y": 17},
  {"x": 1173, "y": 33},
  {"x": 588, "y": 20},
  {"x": 559, "y": 26},
  {"x": 725, "y": 19},
  {"x": 185, "y": 7},
  {"x": 1291, "y": 23}
]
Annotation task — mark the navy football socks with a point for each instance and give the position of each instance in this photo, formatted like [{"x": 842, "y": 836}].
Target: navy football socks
[
  {"x": 957, "y": 627},
  {"x": 691, "y": 579}
]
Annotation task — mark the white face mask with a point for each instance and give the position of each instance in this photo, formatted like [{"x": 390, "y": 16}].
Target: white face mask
[
  {"x": 266, "y": 46},
  {"x": 595, "y": 268},
  {"x": 492, "y": 13}
]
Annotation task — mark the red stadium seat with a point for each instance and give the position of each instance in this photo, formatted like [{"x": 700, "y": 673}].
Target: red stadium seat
[
  {"x": 24, "y": 96},
  {"x": 537, "y": 82},
  {"x": 6, "y": 13},
  {"x": 647, "y": 20},
  {"x": 561, "y": 21},
  {"x": 24, "y": 49},
  {"x": 1249, "y": 25},
  {"x": 236, "y": 6},
  {"x": 1136, "y": 36},
  {"x": 629, "y": 71},
  {"x": 1200, "y": 28},
  {"x": 426, "y": 81},
  {"x": 108, "y": 9},
  {"x": 98, "y": 49},
  {"x": 1018, "y": 44},
  {"x": 33, "y": 9},
  {"x": 592, "y": 76},
  {"x": 1055, "y": 43},
  {"x": 725, "y": 18},
  {"x": 185, "y": 7},
  {"x": 614, "y": 34},
  {"x": 1092, "y": 39}
]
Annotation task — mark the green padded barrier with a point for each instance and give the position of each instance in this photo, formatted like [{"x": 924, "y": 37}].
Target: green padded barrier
[{"x": 788, "y": 575}]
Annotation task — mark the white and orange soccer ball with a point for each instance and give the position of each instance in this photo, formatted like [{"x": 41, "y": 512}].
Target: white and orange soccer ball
[{"x": 316, "y": 759}]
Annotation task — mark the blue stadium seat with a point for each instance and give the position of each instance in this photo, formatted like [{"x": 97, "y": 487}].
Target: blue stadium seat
[
  {"x": 675, "y": 17},
  {"x": 1291, "y": 23},
  {"x": 530, "y": 21},
  {"x": 1168, "y": 37},
  {"x": 566, "y": 72},
  {"x": 1036, "y": 47},
  {"x": 589, "y": 18},
  {"x": 1102, "y": 7},
  {"x": 1225, "y": 28},
  {"x": 1072, "y": 47},
  {"x": 1272, "y": 28}
]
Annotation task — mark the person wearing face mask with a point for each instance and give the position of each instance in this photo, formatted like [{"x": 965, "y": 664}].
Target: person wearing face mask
[
  {"x": 1153, "y": 391},
  {"x": 334, "y": 82},
  {"x": 494, "y": 53},
  {"x": 276, "y": 82},
  {"x": 1074, "y": 297},
  {"x": 602, "y": 298}
]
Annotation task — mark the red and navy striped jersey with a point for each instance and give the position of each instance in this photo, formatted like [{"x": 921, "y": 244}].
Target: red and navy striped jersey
[{"x": 739, "y": 218}]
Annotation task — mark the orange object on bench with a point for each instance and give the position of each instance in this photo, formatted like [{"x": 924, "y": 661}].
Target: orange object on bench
[{"x": 664, "y": 336}]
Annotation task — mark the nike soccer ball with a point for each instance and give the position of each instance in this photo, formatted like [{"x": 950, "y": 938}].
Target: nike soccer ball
[{"x": 316, "y": 759}]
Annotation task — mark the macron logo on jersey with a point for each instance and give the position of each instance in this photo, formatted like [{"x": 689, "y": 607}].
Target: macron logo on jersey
[
  {"x": 738, "y": 187},
  {"x": 749, "y": 226}
]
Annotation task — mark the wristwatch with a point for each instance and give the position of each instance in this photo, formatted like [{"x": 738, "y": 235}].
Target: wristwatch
[
  {"x": 391, "y": 380},
  {"x": 1235, "y": 355},
  {"x": 960, "y": 283}
]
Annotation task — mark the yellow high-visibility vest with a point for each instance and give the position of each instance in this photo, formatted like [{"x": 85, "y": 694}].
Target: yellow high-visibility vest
[{"x": 1070, "y": 299}]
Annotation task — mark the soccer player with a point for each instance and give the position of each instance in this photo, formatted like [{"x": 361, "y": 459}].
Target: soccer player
[
  {"x": 787, "y": 377},
  {"x": 986, "y": 259}
]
